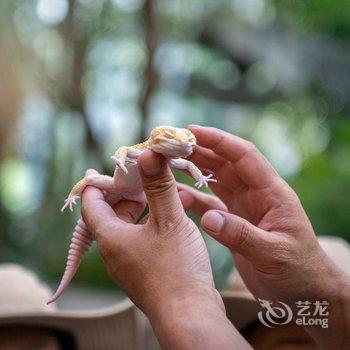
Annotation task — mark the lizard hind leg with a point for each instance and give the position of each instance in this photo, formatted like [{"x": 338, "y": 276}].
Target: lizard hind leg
[
  {"x": 80, "y": 243},
  {"x": 74, "y": 194},
  {"x": 68, "y": 202},
  {"x": 103, "y": 182}
]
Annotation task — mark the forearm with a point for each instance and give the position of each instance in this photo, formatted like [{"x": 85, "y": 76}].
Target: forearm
[
  {"x": 337, "y": 335},
  {"x": 195, "y": 323}
]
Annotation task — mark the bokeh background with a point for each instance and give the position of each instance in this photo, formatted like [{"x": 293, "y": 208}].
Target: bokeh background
[{"x": 82, "y": 77}]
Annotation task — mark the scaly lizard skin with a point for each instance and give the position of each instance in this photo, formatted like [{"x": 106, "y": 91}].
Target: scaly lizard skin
[{"x": 173, "y": 143}]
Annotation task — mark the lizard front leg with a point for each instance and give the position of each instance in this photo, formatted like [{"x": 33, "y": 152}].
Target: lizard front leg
[
  {"x": 122, "y": 154},
  {"x": 103, "y": 182},
  {"x": 183, "y": 164}
]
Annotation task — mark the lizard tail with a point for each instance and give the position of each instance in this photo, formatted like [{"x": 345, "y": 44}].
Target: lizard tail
[{"x": 80, "y": 243}]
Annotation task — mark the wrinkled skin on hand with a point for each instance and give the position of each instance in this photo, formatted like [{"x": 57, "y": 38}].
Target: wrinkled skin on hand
[
  {"x": 253, "y": 212},
  {"x": 264, "y": 224},
  {"x": 265, "y": 227},
  {"x": 161, "y": 263},
  {"x": 137, "y": 256}
]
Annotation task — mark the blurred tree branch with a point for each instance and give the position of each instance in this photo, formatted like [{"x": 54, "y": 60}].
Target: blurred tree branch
[
  {"x": 11, "y": 93},
  {"x": 240, "y": 93},
  {"x": 150, "y": 76},
  {"x": 73, "y": 97},
  {"x": 209, "y": 38},
  {"x": 11, "y": 98}
]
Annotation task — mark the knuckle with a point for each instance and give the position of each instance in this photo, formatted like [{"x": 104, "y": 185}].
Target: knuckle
[
  {"x": 175, "y": 222},
  {"x": 102, "y": 241},
  {"x": 84, "y": 208},
  {"x": 214, "y": 129},
  {"x": 159, "y": 185},
  {"x": 250, "y": 147},
  {"x": 98, "y": 232},
  {"x": 237, "y": 235},
  {"x": 242, "y": 234},
  {"x": 220, "y": 141},
  {"x": 101, "y": 229},
  {"x": 109, "y": 244}
]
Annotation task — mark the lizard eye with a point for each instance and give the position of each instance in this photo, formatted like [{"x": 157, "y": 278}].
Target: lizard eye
[{"x": 169, "y": 134}]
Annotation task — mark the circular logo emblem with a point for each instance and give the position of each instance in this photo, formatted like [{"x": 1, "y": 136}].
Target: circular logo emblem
[{"x": 277, "y": 313}]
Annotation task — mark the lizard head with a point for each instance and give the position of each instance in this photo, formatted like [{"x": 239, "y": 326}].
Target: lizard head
[{"x": 172, "y": 142}]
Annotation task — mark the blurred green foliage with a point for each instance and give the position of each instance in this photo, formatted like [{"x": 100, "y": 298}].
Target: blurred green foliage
[{"x": 82, "y": 77}]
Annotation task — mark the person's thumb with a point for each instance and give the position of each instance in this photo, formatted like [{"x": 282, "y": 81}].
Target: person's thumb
[
  {"x": 236, "y": 233},
  {"x": 160, "y": 188},
  {"x": 96, "y": 212}
]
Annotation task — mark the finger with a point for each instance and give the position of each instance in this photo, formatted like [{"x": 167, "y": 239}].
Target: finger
[
  {"x": 129, "y": 211},
  {"x": 220, "y": 189},
  {"x": 206, "y": 158},
  {"x": 223, "y": 169},
  {"x": 249, "y": 163},
  {"x": 239, "y": 235},
  {"x": 91, "y": 172},
  {"x": 197, "y": 201},
  {"x": 160, "y": 188},
  {"x": 96, "y": 212}
]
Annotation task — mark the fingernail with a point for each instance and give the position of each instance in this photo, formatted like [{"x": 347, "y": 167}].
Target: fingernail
[
  {"x": 89, "y": 172},
  {"x": 194, "y": 126},
  {"x": 213, "y": 221},
  {"x": 151, "y": 164}
]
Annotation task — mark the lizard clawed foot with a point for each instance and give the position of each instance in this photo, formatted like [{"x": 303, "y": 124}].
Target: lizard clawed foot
[
  {"x": 119, "y": 163},
  {"x": 69, "y": 203},
  {"x": 203, "y": 181}
]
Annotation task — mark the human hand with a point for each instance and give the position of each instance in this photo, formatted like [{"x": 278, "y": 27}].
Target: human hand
[
  {"x": 163, "y": 264},
  {"x": 265, "y": 226}
]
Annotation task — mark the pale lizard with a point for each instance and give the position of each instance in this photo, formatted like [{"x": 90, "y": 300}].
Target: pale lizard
[{"x": 173, "y": 143}]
